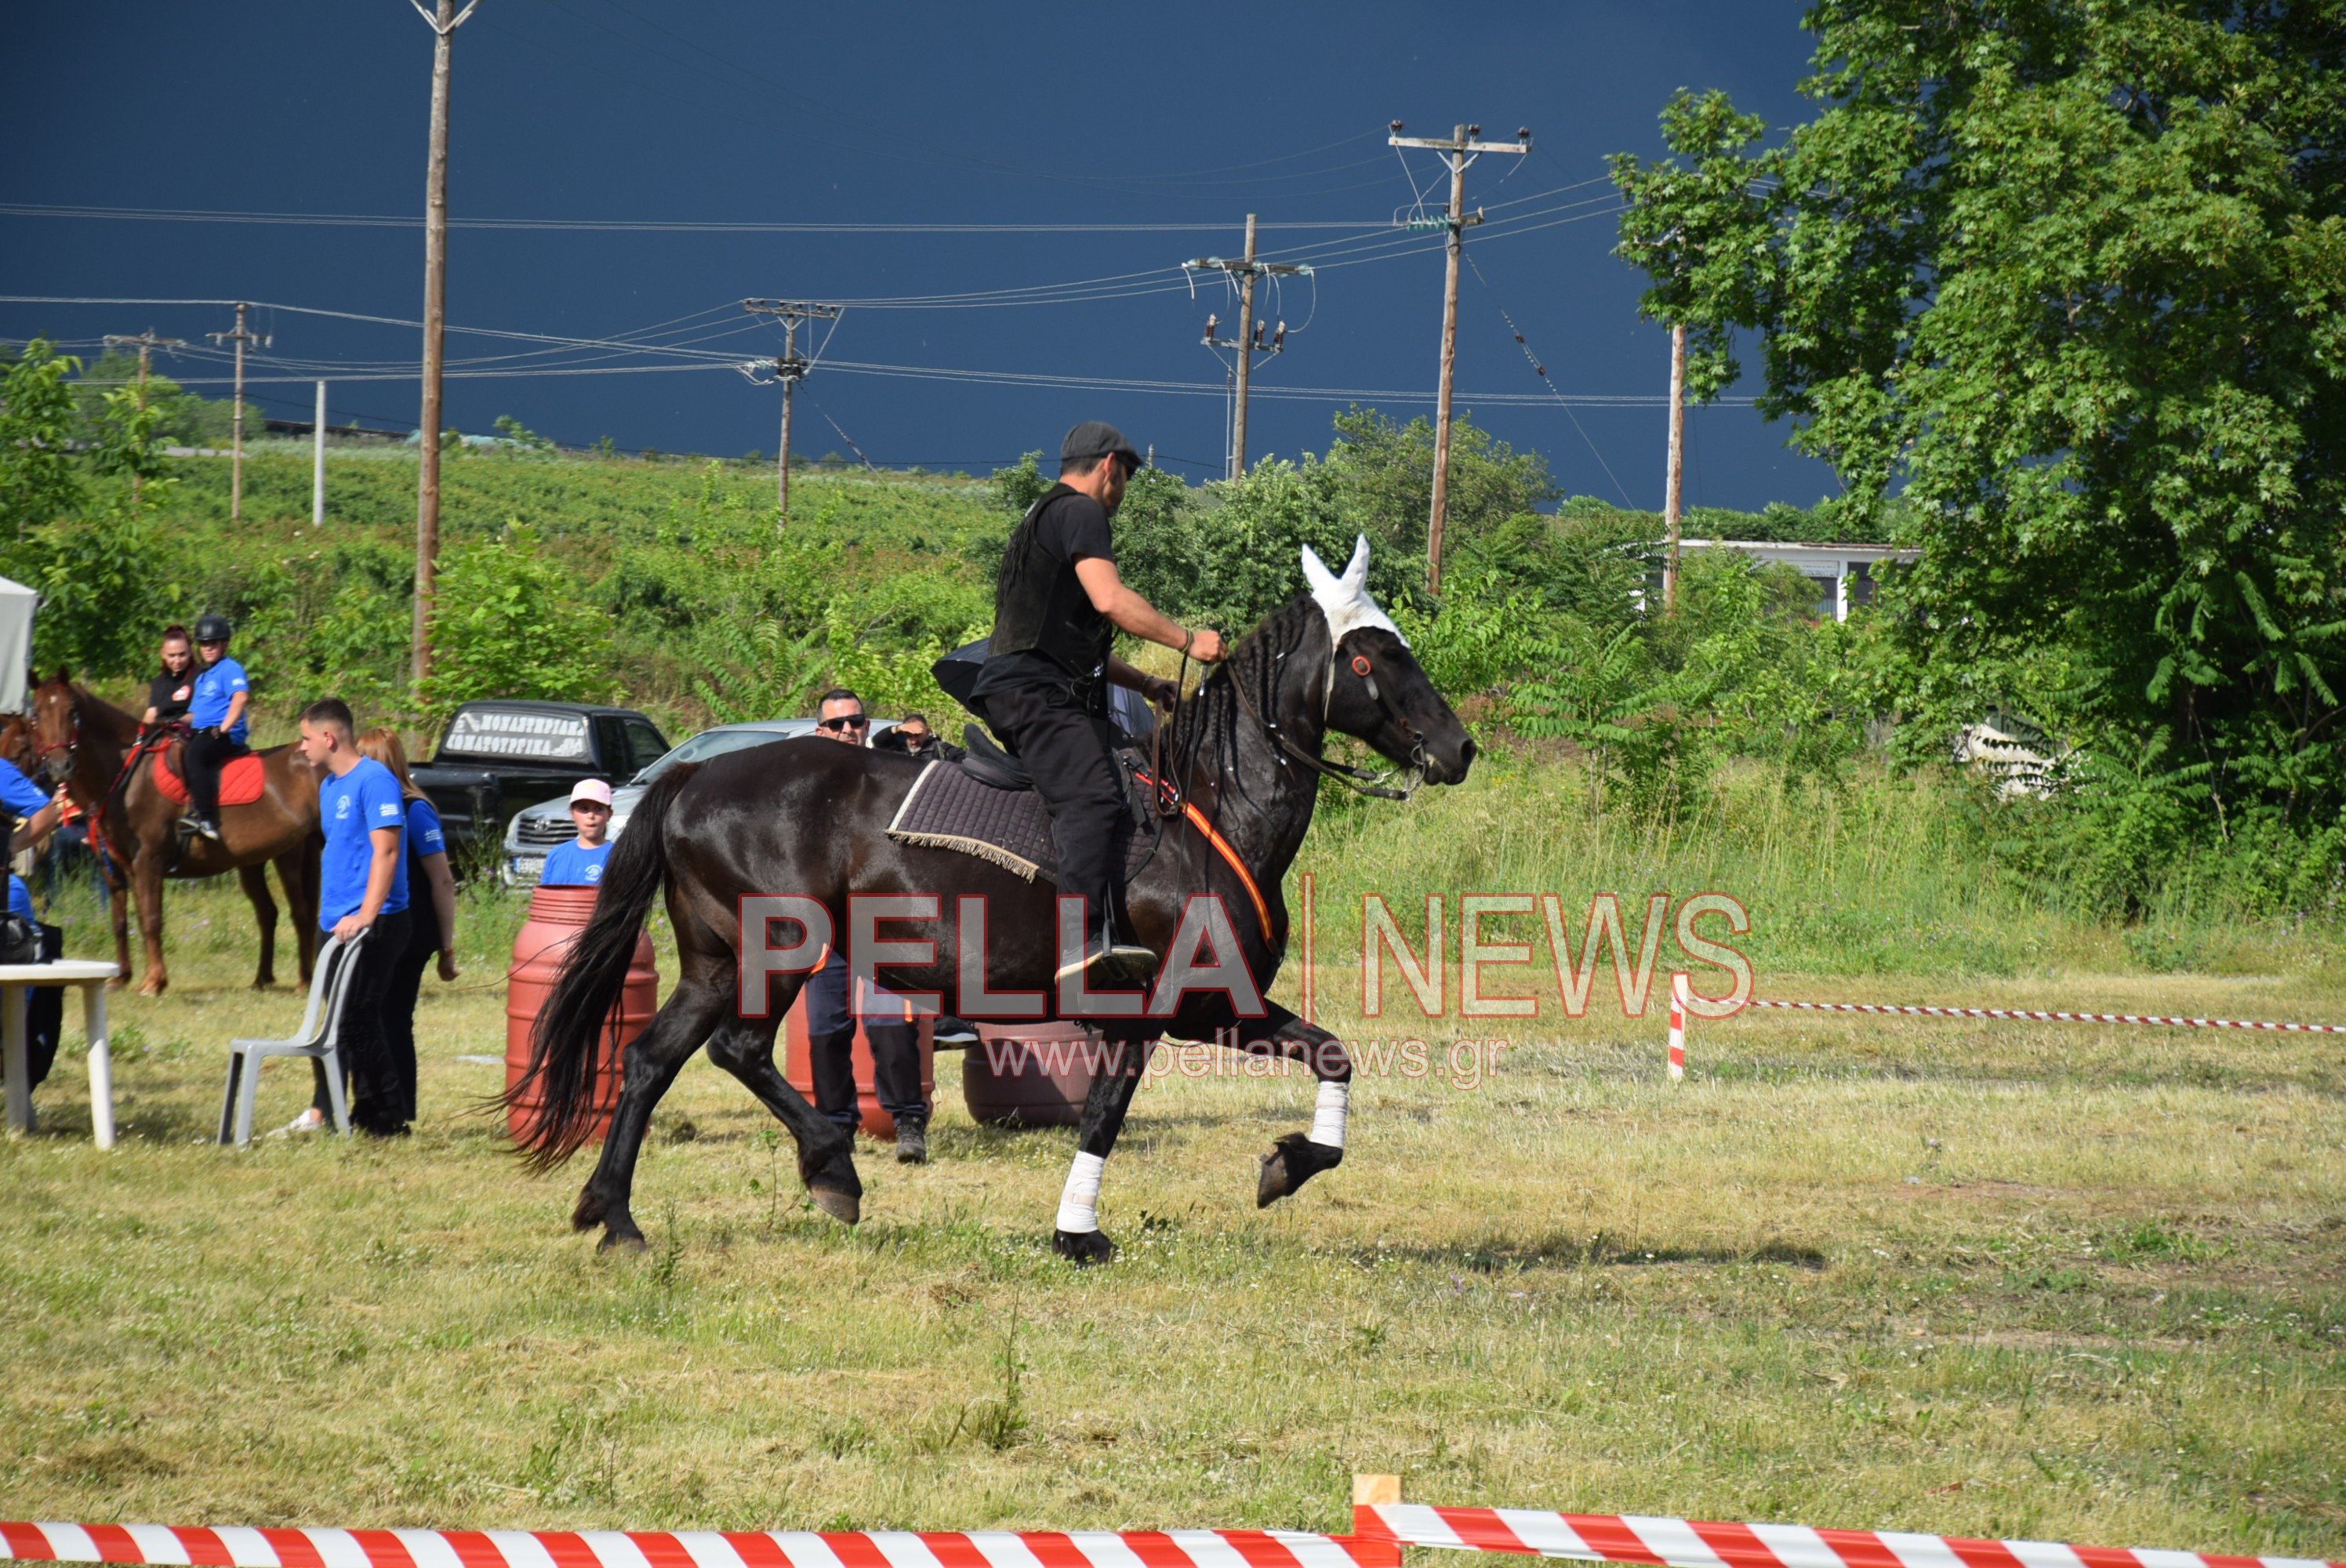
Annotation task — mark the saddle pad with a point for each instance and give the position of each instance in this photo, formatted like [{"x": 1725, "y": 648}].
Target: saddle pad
[
  {"x": 948, "y": 810},
  {"x": 241, "y": 781}
]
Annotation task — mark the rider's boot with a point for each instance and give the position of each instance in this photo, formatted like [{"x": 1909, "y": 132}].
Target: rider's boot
[{"x": 1106, "y": 959}]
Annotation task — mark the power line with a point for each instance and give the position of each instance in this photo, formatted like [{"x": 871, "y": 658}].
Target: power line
[{"x": 614, "y": 226}]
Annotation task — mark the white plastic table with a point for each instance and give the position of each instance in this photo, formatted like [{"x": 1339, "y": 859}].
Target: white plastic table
[{"x": 91, "y": 975}]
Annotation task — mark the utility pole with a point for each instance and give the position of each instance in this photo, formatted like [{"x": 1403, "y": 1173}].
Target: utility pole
[
  {"x": 1249, "y": 339},
  {"x": 1459, "y": 151},
  {"x": 435, "y": 315},
  {"x": 1677, "y": 469},
  {"x": 789, "y": 370},
  {"x": 147, "y": 343},
  {"x": 236, "y": 424},
  {"x": 318, "y": 464}
]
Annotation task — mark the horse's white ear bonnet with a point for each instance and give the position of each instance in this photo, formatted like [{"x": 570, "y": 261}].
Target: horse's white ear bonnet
[{"x": 1345, "y": 600}]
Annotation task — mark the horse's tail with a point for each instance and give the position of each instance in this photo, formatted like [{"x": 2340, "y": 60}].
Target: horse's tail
[{"x": 564, "y": 1044}]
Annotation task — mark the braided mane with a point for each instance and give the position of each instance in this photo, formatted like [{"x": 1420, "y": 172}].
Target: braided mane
[{"x": 1213, "y": 711}]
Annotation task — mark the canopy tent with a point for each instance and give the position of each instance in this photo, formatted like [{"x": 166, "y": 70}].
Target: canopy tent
[{"x": 17, "y": 603}]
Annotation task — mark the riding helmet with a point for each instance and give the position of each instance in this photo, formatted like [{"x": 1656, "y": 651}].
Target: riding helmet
[{"x": 213, "y": 629}]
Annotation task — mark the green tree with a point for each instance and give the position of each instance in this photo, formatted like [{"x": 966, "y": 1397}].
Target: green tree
[
  {"x": 39, "y": 481},
  {"x": 2070, "y": 280},
  {"x": 506, "y": 622}
]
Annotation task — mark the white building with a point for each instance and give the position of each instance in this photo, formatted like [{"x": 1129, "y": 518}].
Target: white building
[{"x": 1843, "y": 574}]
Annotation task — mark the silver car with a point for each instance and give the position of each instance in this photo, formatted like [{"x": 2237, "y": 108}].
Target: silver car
[{"x": 538, "y": 829}]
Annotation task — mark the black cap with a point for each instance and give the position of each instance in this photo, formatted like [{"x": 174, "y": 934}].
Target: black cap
[{"x": 1095, "y": 438}]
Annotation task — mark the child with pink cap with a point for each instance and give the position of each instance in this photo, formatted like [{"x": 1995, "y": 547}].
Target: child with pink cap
[{"x": 580, "y": 863}]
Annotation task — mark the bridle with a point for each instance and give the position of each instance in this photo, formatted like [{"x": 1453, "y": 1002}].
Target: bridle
[{"x": 1359, "y": 780}]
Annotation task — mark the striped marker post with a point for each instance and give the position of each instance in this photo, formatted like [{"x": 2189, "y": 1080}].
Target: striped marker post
[{"x": 1677, "y": 1027}]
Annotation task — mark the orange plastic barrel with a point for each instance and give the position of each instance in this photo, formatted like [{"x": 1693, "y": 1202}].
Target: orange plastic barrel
[
  {"x": 557, "y": 917},
  {"x": 798, "y": 1068},
  {"x": 1029, "y": 1076}
]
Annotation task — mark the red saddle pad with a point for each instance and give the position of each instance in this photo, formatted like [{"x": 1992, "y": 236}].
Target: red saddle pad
[{"x": 242, "y": 780}]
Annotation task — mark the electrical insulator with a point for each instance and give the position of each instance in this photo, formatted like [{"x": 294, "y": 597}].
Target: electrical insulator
[
  {"x": 1278, "y": 337},
  {"x": 1211, "y": 322},
  {"x": 1258, "y": 336}
]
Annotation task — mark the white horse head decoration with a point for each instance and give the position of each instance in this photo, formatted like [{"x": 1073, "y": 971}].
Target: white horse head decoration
[{"x": 1345, "y": 600}]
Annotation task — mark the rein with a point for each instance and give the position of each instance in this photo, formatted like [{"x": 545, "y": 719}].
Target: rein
[{"x": 1357, "y": 779}]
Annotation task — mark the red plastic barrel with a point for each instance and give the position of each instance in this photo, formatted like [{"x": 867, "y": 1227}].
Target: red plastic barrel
[
  {"x": 1028, "y": 1076},
  {"x": 556, "y": 916},
  {"x": 798, "y": 1068}
]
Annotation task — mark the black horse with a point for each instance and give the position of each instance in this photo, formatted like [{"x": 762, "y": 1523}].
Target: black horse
[{"x": 808, "y": 818}]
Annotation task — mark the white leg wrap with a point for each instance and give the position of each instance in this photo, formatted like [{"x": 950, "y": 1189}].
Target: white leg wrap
[
  {"x": 1328, "y": 1118},
  {"x": 1079, "y": 1203}
]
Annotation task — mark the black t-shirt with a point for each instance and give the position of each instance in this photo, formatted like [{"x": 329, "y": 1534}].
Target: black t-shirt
[
  {"x": 1066, "y": 635},
  {"x": 167, "y": 695}
]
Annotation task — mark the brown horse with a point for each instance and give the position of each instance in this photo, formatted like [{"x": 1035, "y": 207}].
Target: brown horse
[{"x": 84, "y": 744}]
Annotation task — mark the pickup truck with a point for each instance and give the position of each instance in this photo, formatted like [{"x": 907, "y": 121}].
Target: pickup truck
[{"x": 503, "y": 757}]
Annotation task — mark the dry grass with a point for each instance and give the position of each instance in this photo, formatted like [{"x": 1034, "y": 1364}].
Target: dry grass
[{"x": 1994, "y": 1280}]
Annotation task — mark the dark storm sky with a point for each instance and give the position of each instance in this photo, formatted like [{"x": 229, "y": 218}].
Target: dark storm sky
[{"x": 700, "y": 111}]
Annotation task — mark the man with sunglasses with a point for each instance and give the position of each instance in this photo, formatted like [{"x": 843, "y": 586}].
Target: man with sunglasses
[
  {"x": 216, "y": 712},
  {"x": 888, "y": 1023},
  {"x": 1058, "y": 606}
]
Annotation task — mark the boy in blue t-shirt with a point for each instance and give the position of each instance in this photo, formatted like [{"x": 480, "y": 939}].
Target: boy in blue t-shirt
[
  {"x": 216, "y": 715},
  {"x": 362, "y": 892},
  {"x": 579, "y": 864}
]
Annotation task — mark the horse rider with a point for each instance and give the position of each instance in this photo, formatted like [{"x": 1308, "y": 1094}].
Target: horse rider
[
  {"x": 216, "y": 711},
  {"x": 1058, "y": 604},
  {"x": 169, "y": 694}
]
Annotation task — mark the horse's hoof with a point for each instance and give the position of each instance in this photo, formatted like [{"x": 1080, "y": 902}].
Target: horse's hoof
[
  {"x": 1083, "y": 1248},
  {"x": 1292, "y": 1161},
  {"x": 621, "y": 1241},
  {"x": 843, "y": 1206}
]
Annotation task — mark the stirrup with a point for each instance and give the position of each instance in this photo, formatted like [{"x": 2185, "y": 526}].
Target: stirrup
[{"x": 1105, "y": 960}]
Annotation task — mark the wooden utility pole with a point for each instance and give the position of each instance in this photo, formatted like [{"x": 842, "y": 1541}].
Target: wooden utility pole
[
  {"x": 1249, "y": 342},
  {"x": 145, "y": 342},
  {"x": 789, "y": 370},
  {"x": 1459, "y": 151},
  {"x": 435, "y": 315},
  {"x": 236, "y": 424},
  {"x": 1677, "y": 469}
]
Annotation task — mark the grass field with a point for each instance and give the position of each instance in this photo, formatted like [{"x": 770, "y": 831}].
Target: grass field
[{"x": 1988, "y": 1279}]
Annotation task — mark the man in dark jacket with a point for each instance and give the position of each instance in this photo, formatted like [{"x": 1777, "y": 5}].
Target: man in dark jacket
[{"x": 1058, "y": 604}]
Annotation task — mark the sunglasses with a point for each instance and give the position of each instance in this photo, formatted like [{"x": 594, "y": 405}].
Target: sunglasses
[{"x": 853, "y": 722}]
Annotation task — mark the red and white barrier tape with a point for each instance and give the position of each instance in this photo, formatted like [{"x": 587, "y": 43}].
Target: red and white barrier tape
[
  {"x": 1380, "y": 1529},
  {"x": 235, "y": 1546},
  {"x": 1684, "y": 1543},
  {"x": 2026, "y": 1014}
]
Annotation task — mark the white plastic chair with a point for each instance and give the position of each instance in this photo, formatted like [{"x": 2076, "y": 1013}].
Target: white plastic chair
[{"x": 319, "y": 1038}]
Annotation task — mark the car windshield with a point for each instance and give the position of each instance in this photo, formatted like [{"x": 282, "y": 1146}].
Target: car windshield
[{"x": 708, "y": 743}]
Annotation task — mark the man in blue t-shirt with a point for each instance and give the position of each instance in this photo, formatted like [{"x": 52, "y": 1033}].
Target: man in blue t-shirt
[
  {"x": 215, "y": 714},
  {"x": 362, "y": 896},
  {"x": 579, "y": 863}
]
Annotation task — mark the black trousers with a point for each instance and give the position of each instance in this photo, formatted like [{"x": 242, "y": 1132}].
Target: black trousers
[
  {"x": 382, "y": 1101},
  {"x": 203, "y": 756},
  {"x": 1071, "y": 753},
  {"x": 830, "y": 1051},
  {"x": 398, "y": 1014}
]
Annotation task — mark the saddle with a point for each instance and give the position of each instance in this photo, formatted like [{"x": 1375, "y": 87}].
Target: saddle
[
  {"x": 241, "y": 781},
  {"x": 985, "y": 805}
]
